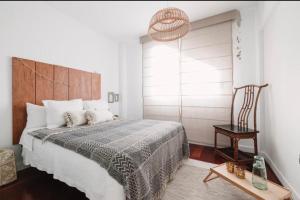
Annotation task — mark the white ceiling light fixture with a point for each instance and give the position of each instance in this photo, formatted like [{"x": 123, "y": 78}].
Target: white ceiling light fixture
[{"x": 169, "y": 24}]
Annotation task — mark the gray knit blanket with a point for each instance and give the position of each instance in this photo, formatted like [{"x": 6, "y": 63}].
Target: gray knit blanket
[{"x": 141, "y": 155}]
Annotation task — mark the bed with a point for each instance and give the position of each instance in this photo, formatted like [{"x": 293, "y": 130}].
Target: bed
[
  {"x": 86, "y": 176},
  {"x": 117, "y": 159}
]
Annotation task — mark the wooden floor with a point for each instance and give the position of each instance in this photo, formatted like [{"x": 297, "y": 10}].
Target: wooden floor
[
  {"x": 206, "y": 154},
  {"x": 35, "y": 185}
]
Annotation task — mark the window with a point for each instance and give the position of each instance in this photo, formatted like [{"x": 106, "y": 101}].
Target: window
[
  {"x": 190, "y": 80},
  {"x": 161, "y": 88}
]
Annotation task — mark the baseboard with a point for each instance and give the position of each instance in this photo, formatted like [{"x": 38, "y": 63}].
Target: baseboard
[
  {"x": 246, "y": 148},
  {"x": 200, "y": 143},
  {"x": 281, "y": 177},
  {"x": 241, "y": 147}
]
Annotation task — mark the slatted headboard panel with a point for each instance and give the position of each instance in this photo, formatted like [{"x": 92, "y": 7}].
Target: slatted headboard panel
[{"x": 35, "y": 81}]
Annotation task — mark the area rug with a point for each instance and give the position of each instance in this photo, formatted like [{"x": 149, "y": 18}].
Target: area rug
[{"x": 188, "y": 185}]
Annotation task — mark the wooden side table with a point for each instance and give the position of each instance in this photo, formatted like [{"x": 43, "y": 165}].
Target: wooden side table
[
  {"x": 8, "y": 172},
  {"x": 274, "y": 192}
]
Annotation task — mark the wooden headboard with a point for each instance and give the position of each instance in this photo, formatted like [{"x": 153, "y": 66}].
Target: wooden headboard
[{"x": 35, "y": 81}]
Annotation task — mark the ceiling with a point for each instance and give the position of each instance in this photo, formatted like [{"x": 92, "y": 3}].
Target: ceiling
[{"x": 123, "y": 20}]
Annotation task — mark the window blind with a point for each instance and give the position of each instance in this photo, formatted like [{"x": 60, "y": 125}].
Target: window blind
[
  {"x": 161, "y": 93},
  {"x": 190, "y": 80},
  {"x": 206, "y": 63}
]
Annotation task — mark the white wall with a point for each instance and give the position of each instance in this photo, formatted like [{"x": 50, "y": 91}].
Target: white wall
[
  {"x": 123, "y": 82},
  {"x": 280, "y": 30},
  {"x": 246, "y": 71},
  {"x": 131, "y": 79},
  {"x": 37, "y": 31}
]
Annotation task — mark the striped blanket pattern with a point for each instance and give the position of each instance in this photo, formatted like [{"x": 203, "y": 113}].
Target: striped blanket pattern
[{"x": 141, "y": 155}]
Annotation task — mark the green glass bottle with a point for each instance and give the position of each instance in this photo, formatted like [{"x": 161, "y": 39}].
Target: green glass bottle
[{"x": 259, "y": 173}]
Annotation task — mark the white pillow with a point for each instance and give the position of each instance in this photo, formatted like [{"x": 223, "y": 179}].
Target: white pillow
[
  {"x": 45, "y": 102},
  {"x": 75, "y": 118},
  {"x": 96, "y": 116},
  {"x": 36, "y": 116},
  {"x": 95, "y": 105},
  {"x": 55, "y": 111}
]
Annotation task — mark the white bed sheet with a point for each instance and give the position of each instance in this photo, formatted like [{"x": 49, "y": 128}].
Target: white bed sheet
[{"x": 71, "y": 168}]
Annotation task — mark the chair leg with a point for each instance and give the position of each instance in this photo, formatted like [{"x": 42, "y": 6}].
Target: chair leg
[
  {"x": 255, "y": 145},
  {"x": 216, "y": 145},
  {"x": 236, "y": 149},
  {"x": 231, "y": 142}
]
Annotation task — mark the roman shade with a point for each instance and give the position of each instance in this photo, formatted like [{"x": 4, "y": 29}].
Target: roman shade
[
  {"x": 191, "y": 80},
  {"x": 161, "y": 88},
  {"x": 206, "y": 80}
]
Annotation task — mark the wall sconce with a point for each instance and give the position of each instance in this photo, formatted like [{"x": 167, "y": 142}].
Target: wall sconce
[
  {"x": 117, "y": 97},
  {"x": 111, "y": 97}
]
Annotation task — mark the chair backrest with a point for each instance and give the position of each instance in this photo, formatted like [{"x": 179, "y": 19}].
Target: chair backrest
[{"x": 251, "y": 95}]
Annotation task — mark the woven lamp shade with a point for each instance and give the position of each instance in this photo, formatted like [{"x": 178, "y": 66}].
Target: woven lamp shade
[{"x": 169, "y": 24}]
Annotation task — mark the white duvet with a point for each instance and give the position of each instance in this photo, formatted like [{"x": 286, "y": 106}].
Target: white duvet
[{"x": 71, "y": 168}]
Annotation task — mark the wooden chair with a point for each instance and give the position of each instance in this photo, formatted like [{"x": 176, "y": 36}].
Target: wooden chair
[{"x": 241, "y": 130}]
